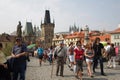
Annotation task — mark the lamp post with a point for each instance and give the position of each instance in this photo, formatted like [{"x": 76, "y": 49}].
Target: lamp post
[{"x": 86, "y": 31}]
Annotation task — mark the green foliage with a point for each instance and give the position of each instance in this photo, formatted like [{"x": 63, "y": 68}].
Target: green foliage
[{"x": 7, "y": 48}]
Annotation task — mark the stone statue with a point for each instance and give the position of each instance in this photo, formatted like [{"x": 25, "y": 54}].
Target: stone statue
[{"x": 19, "y": 31}]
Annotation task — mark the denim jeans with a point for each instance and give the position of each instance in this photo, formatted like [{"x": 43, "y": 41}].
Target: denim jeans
[
  {"x": 95, "y": 63},
  {"x": 19, "y": 71},
  {"x": 20, "y": 74},
  {"x": 50, "y": 58}
]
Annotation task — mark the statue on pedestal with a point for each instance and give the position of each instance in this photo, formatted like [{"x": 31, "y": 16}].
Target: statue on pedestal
[{"x": 19, "y": 31}]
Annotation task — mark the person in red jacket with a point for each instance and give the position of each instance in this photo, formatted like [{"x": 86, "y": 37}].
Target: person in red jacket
[{"x": 78, "y": 56}]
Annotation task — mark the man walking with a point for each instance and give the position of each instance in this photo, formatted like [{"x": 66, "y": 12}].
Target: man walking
[
  {"x": 98, "y": 49},
  {"x": 60, "y": 51}
]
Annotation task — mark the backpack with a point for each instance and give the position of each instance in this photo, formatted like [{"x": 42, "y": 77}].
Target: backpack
[
  {"x": 112, "y": 51},
  {"x": 40, "y": 51}
]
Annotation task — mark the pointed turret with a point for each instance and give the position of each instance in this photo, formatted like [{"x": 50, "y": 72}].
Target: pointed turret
[
  {"x": 47, "y": 17},
  {"x": 28, "y": 29}
]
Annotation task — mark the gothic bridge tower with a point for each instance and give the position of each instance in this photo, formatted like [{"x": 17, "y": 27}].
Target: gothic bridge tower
[{"x": 47, "y": 30}]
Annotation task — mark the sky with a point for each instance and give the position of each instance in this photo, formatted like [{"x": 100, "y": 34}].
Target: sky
[{"x": 97, "y": 14}]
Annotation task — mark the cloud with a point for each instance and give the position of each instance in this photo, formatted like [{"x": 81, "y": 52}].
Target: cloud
[{"x": 65, "y": 12}]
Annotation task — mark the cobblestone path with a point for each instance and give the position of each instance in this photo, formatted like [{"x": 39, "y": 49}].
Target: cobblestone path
[{"x": 35, "y": 72}]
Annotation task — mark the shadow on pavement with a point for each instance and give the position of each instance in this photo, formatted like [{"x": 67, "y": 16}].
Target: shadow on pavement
[
  {"x": 113, "y": 73},
  {"x": 33, "y": 66},
  {"x": 95, "y": 79},
  {"x": 69, "y": 75}
]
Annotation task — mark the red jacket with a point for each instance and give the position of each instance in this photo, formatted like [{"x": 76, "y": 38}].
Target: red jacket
[{"x": 78, "y": 54}]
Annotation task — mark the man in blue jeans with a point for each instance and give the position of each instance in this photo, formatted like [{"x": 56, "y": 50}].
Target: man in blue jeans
[
  {"x": 98, "y": 49},
  {"x": 19, "y": 56}
]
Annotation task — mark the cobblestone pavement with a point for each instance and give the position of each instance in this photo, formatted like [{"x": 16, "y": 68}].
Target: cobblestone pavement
[{"x": 35, "y": 72}]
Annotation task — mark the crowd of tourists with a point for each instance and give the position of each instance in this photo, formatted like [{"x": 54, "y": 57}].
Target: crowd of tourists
[{"x": 92, "y": 54}]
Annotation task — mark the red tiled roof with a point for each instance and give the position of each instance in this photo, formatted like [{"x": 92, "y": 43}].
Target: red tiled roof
[
  {"x": 116, "y": 31},
  {"x": 75, "y": 35},
  {"x": 102, "y": 37}
]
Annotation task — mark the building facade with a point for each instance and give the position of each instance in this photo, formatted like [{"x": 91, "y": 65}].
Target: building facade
[{"x": 115, "y": 37}]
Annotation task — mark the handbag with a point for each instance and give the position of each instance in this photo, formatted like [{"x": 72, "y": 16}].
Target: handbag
[{"x": 55, "y": 55}]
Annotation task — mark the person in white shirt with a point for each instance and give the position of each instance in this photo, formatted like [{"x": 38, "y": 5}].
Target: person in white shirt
[
  {"x": 71, "y": 55},
  {"x": 107, "y": 50}
]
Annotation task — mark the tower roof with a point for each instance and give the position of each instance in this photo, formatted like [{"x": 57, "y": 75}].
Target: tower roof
[
  {"x": 28, "y": 29},
  {"x": 47, "y": 17}
]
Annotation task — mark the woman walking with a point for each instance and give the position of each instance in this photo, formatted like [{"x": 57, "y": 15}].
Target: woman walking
[
  {"x": 89, "y": 54},
  {"x": 78, "y": 56}
]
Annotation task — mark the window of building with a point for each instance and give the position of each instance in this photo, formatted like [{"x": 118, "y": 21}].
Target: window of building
[
  {"x": 114, "y": 36},
  {"x": 118, "y": 44},
  {"x": 115, "y": 44},
  {"x": 117, "y": 36},
  {"x": 107, "y": 39}
]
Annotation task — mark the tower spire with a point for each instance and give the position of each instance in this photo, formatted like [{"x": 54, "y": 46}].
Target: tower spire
[{"x": 47, "y": 17}]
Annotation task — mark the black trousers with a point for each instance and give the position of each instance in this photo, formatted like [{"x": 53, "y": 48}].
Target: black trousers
[
  {"x": 4, "y": 73},
  {"x": 60, "y": 65},
  {"x": 95, "y": 63}
]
